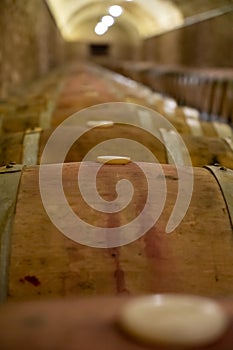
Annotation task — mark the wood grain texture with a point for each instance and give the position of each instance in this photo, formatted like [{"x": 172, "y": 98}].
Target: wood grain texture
[
  {"x": 86, "y": 88},
  {"x": 202, "y": 150},
  {"x": 196, "y": 257},
  {"x": 81, "y": 324},
  {"x": 79, "y": 102}
]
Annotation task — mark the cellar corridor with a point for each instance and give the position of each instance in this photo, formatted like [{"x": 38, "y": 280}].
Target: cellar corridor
[{"x": 116, "y": 174}]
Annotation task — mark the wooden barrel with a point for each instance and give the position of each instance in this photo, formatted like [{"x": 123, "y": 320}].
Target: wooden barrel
[
  {"x": 184, "y": 119},
  {"x": 32, "y": 118},
  {"x": 39, "y": 261},
  {"x": 35, "y": 107},
  {"x": 68, "y": 324},
  {"x": 95, "y": 86},
  {"x": 99, "y": 86},
  {"x": 27, "y": 148},
  {"x": 211, "y": 128},
  {"x": 31, "y": 107}
]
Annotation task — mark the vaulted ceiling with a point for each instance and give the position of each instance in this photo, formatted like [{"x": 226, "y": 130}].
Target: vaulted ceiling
[{"x": 143, "y": 18}]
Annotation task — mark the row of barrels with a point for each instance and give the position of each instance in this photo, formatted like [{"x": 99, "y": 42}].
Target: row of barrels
[
  {"x": 40, "y": 261},
  {"x": 27, "y": 147},
  {"x": 39, "y": 258},
  {"x": 209, "y": 90},
  {"x": 207, "y": 143}
]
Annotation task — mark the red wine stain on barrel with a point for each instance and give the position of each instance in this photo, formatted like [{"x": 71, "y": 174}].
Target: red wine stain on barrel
[
  {"x": 161, "y": 263},
  {"x": 153, "y": 246},
  {"x": 119, "y": 274},
  {"x": 31, "y": 279}
]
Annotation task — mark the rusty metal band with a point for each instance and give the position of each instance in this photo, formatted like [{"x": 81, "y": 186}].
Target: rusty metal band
[
  {"x": 229, "y": 141},
  {"x": 31, "y": 146},
  {"x": 173, "y": 141},
  {"x": 222, "y": 130},
  {"x": 224, "y": 177},
  {"x": 9, "y": 181}
]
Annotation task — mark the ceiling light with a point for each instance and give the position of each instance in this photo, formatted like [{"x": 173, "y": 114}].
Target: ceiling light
[
  {"x": 107, "y": 20},
  {"x": 115, "y": 10},
  {"x": 101, "y": 28}
]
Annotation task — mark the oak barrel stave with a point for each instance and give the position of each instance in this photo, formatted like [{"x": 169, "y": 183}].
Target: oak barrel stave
[
  {"x": 202, "y": 150},
  {"x": 196, "y": 258}
]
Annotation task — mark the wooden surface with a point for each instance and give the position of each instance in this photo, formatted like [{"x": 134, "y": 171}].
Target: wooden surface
[
  {"x": 24, "y": 120},
  {"x": 86, "y": 87},
  {"x": 90, "y": 139},
  {"x": 73, "y": 100},
  {"x": 82, "y": 324},
  {"x": 208, "y": 150},
  {"x": 11, "y": 148},
  {"x": 197, "y": 257},
  {"x": 202, "y": 150}
]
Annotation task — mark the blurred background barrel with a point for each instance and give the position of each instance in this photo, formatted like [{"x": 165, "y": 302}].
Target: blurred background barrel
[{"x": 27, "y": 148}]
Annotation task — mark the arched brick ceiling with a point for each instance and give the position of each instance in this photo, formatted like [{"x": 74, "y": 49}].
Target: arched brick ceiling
[{"x": 143, "y": 17}]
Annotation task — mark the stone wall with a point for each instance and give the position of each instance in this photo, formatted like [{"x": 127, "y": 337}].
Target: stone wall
[
  {"x": 206, "y": 44},
  {"x": 30, "y": 44}
]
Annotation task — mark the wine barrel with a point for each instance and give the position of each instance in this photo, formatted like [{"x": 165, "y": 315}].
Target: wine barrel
[
  {"x": 184, "y": 119},
  {"x": 39, "y": 261},
  {"x": 32, "y": 118},
  {"x": 82, "y": 324},
  {"x": 32, "y": 106},
  {"x": 95, "y": 86},
  {"x": 45, "y": 116},
  {"x": 35, "y": 108},
  {"x": 197, "y": 126},
  {"x": 27, "y": 148}
]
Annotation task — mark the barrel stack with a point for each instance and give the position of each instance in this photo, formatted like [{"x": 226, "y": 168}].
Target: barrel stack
[
  {"x": 40, "y": 261},
  {"x": 116, "y": 183}
]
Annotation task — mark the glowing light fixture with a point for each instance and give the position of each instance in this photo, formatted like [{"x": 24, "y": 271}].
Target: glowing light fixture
[
  {"x": 101, "y": 28},
  {"x": 107, "y": 20},
  {"x": 115, "y": 10}
]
